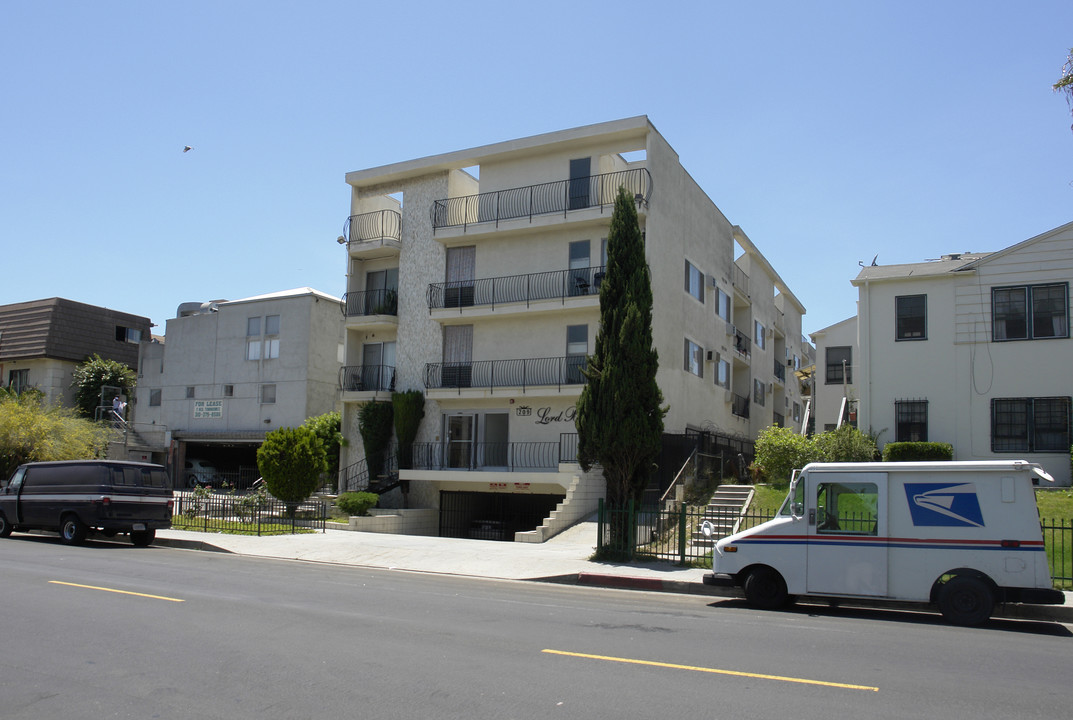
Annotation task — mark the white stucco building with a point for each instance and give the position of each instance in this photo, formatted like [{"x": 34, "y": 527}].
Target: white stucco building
[
  {"x": 230, "y": 371},
  {"x": 474, "y": 277},
  {"x": 835, "y": 397},
  {"x": 973, "y": 349}
]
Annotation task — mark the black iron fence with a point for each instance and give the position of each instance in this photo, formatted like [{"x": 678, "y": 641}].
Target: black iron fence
[
  {"x": 465, "y": 455},
  {"x": 358, "y": 378},
  {"x": 552, "y": 285},
  {"x": 553, "y": 197},
  {"x": 648, "y": 533},
  {"x": 371, "y": 302},
  {"x": 376, "y": 225},
  {"x": 248, "y": 514},
  {"x": 523, "y": 373}
]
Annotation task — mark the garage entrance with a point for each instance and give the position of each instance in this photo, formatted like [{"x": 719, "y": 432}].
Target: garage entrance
[{"x": 492, "y": 516}]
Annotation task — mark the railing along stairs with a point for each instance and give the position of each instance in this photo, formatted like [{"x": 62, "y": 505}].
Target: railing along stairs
[{"x": 356, "y": 477}]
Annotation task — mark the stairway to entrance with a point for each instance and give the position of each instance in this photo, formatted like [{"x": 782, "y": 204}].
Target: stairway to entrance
[{"x": 724, "y": 512}]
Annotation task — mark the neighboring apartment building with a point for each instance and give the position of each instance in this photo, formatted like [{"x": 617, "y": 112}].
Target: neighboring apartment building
[
  {"x": 974, "y": 350},
  {"x": 835, "y": 399},
  {"x": 474, "y": 277},
  {"x": 42, "y": 342},
  {"x": 230, "y": 371}
]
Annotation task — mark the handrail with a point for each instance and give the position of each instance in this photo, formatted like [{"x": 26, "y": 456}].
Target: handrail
[
  {"x": 359, "y": 378},
  {"x": 376, "y": 225},
  {"x": 544, "y": 198},
  {"x": 681, "y": 470},
  {"x": 556, "y": 284},
  {"x": 465, "y": 455},
  {"x": 521, "y": 373},
  {"x": 370, "y": 302}
]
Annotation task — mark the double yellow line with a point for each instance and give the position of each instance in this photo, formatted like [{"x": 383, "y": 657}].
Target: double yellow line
[{"x": 736, "y": 673}]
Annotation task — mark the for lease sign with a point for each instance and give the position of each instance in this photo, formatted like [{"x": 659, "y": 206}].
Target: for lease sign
[{"x": 207, "y": 409}]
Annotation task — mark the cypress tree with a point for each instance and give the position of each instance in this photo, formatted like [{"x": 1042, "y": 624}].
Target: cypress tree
[{"x": 620, "y": 414}]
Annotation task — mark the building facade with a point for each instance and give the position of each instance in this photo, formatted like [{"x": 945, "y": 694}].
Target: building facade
[
  {"x": 835, "y": 399},
  {"x": 974, "y": 350},
  {"x": 42, "y": 342},
  {"x": 231, "y": 371},
  {"x": 474, "y": 277}
]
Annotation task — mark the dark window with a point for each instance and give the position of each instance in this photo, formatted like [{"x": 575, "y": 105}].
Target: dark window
[
  {"x": 911, "y": 417},
  {"x": 694, "y": 281},
  {"x": 18, "y": 380},
  {"x": 1030, "y": 312},
  {"x": 1030, "y": 424},
  {"x": 839, "y": 365},
  {"x": 190, "y": 391},
  {"x": 579, "y": 183},
  {"x": 912, "y": 317},
  {"x": 229, "y": 390},
  {"x": 154, "y": 398}
]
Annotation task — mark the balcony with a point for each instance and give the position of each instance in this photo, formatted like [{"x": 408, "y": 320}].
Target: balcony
[
  {"x": 373, "y": 234},
  {"x": 516, "y": 289},
  {"x": 741, "y": 281},
  {"x": 371, "y": 309},
  {"x": 780, "y": 372},
  {"x": 490, "y": 374},
  {"x": 742, "y": 344},
  {"x": 367, "y": 378},
  {"x": 466, "y": 455},
  {"x": 740, "y": 405},
  {"x": 560, "y": 196}
]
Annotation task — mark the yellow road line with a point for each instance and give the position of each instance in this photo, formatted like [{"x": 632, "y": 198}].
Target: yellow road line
[
  {"x": 716, "y": 671},
  {"x": 112, "y": 590}
]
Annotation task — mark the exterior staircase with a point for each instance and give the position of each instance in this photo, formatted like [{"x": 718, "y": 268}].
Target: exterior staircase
[{"x": 724, "y": 512}]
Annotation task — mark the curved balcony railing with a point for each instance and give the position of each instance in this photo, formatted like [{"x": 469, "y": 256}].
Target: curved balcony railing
[
  {"x": 377, "y": 225},
  {"x": 529, "y": 372},
  {"x": 366, "y": 378},
  {"x": 370, "y": 302},
  {"x": 466, "y": 455},
  {"x": 553, "y": 197},
  {"x": 557, "y": 284}
]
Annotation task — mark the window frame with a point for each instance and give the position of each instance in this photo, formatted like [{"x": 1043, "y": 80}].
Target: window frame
[
  {"x": 264, "y": 391},
  {"x": 902, "y": 319},
  {"x": 692, "y": 272},
  {"x": 694, "y": 358},
  {"x": 837, "y": 378},
  {"x": 1029, "y": 312},
  {"x": 910, "y": 416},
  {"x": 1025, "y": 423}
]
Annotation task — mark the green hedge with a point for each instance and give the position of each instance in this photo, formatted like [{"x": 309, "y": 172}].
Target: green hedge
[
  {"x": 917, "y": 451},
  {"x": 356, "y": 503}
]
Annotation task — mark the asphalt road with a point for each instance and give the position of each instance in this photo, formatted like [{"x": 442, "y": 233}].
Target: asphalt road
[{"x": 109, "y": 630}]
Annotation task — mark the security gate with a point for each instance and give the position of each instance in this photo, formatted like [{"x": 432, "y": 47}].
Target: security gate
[{"x": 492, "y": 516}]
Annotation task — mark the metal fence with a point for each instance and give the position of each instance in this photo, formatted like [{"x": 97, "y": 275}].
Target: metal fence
[
  {"x": 648, "y": 533},
  {"x": 252, "y": 514}
]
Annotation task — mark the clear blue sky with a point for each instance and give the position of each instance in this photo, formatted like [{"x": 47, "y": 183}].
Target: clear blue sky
[{"x": 831, "y": 132}]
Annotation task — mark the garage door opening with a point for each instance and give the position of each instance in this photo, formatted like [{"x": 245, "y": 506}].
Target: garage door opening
[{"x": 492, "y": 516}]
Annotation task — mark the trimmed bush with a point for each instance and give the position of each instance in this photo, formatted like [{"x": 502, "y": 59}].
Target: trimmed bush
[
  {"x": 357, "y": 503},
  {"x": 917, "y": 451}
]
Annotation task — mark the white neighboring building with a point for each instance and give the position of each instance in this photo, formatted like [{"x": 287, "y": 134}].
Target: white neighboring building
[
  {"x": 973, "y": 349},
  {"x": 835, "y": 396},
  {"x": 230, "y": 371},
  {"x": 474, "y": 277}
]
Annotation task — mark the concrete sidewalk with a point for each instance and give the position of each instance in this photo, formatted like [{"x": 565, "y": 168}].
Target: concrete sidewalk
[{"x": 564, "y": 559}]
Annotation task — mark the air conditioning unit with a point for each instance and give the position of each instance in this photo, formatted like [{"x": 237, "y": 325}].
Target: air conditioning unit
[
  {"x": 711, "y": 356},
  {"x": 731, "y": 329}
]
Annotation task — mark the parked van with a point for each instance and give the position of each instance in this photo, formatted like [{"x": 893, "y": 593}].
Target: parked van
[
  {"x": 76, "y": 497},
  {"x": 961, "y": 535}
]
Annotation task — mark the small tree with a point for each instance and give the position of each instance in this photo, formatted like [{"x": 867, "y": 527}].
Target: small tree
[
  {"x": 31, "y": 431},
  {"x": 619, "y": 413},
  {"x": 1065, "y": 83},
  {"x": 846, "y": 444},
  {"x": 95, "y": 373},
  {"x": 779, "y": 451},
  {"x": 327, "y": 428},
  {"x": 374, "y": 424},
  {"x": 291, "y": 461},
  {"x": 409, "y": 408}
]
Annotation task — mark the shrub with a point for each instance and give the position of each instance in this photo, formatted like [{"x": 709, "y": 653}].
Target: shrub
[
  {"x": 357, "y": 503},
  {"x": 780, "y": 450},
  {"x": 846, "y": 444},
  {"x": 409, "y": 409},
  {"x": 291, "y": 461},
  {"x": 917, "y": 451},
  {"x": 375, "y": 425}
]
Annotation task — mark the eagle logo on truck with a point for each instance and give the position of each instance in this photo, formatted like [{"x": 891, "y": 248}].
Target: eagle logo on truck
[{"x": 944, "y": 505}]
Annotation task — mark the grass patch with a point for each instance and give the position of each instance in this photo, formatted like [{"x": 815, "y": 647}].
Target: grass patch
[
  {"x": 182, "y": 522},
  {"x": 1055, "y": 504}
]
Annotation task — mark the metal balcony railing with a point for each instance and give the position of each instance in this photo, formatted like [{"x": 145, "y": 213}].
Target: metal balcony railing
[
  {"x": 371, "y": 302},
  {"x": 557, "y": 284},
  {"x": 524, "y": 373},
  {"x": 553, "y": 197},
  {"x": 740, "y": 405},
  {"x": 366, "y": 378},
  {"x": 742, "y": 343},
  {"x": 780, "y": 372},
  {"x": 377, "y": 225},
  {"x": 467, "y": 455}
]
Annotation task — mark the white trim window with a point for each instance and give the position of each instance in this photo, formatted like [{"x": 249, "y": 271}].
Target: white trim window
[
  {"x": 694, "y": 358},
  {"x": 1030, "y": 312},
  {"x": 694, "y": 281}
]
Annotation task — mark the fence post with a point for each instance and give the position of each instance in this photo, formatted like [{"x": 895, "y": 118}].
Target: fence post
[
  {"x": 631, "y": 530},
  {"x": 682, "y": 535}
]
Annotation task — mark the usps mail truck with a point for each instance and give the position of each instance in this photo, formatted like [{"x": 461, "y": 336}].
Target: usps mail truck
[{"x": 961, "y": 535}]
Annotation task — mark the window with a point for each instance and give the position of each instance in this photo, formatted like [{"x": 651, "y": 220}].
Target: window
[
  {"x": 911, "y": 317},
  {"x": 722, "y": 305},
  {"x": 761, "y": 341},
  {"x": 18, "y": 380},
  {"x": 839, "y": 365},
  {"x": 253, "y": 349},
  {"x": 154, "y": 398},
  {"x": 253, "y": 327},
  {"x": 229, "y": 390},
  {"x": 1030, "y": 312},
  {"x": 797, "y": 412},
  {"x": 759, "y": 391},
  {"x": 272, "y": 323},
  {"x": 911, "y": 420},
  {"x": 577, "y": 347},
  {"x": 1030, "y": 424},
  {"x": 126, "y": 334},
  {"x": 694, "y": 282},
  {"x": 271, "y": 348},
  {"x": 847, "y": 508},
  {"x": 722, "y": 373},
  {"x": 694, "y": 358},
  {"x": 268, "y": 394},
  {"x": 190, "y": 391}
]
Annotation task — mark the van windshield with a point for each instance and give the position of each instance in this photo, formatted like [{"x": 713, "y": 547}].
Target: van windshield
[{"x": 796, "y": 497}]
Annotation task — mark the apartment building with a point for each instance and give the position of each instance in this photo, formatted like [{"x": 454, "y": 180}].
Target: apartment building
[
  {"x": 231, "y": 371},
  {"x": 474, "y": 277},
  {"x": 973, "y": 349},
  {"x": 42, "y": 342}
]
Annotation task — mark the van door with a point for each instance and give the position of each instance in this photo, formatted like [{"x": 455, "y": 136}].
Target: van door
[{"x": 847, "y": 533}]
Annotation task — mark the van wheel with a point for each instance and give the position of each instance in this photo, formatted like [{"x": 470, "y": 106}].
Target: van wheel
[
  {"x": 72, "y": 530},
  {"x": 765, "y": 589},
  {"x": 142, "y": 538},
  {"x": 5, "y": 526},
  {"x": 966, "y": 600}
]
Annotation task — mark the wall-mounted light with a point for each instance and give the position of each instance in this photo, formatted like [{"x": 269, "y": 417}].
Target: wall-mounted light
[{"x": 341, "y": 240}]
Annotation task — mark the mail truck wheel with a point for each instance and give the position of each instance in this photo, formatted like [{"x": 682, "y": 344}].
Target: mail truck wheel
[
  {"x": 142, "y": 538},
  {"x": 966, "y": 600},
  {"x": 765, "y": 588},
  {"x": 5, "y": 526},
  {"x": 72, "y": 530}
]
